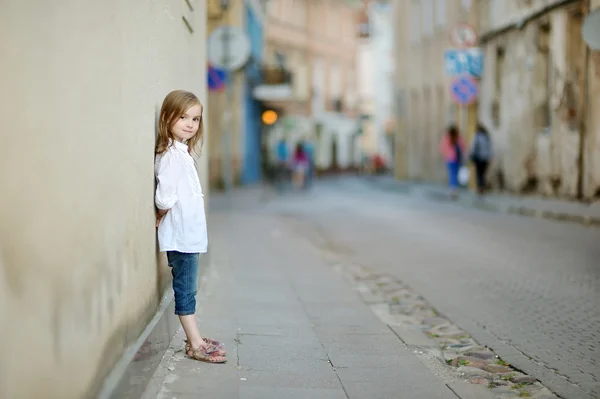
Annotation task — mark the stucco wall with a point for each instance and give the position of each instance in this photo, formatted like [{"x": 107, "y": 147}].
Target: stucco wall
[
  {"x": 537, "y": 138},
  {"x": 79, "y": 274}
]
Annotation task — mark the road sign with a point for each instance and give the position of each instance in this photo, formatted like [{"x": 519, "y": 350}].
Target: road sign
[
  {"x": 459, "y": 62},
  {"x": 464, "y": 90},
  {"x": 228, "y": 48},
  {"x": 463, "y": 35},
  {"x": 217, "y": 78}
]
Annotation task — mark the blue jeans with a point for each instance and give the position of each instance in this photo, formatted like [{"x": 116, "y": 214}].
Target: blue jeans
[
  {"x": 453, "y": 168},
  {"x": 184, "y": 268}
]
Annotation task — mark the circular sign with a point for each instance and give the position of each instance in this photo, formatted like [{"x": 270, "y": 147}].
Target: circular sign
[
  {"x": 228, "y": 48},
  {"x": 217, "y": 78},
  {"x": 464, "y": 90},
  {"x": 463, "y": 35}
]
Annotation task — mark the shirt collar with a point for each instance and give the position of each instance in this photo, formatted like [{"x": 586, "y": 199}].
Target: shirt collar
[{"x": 178, "y": 145}]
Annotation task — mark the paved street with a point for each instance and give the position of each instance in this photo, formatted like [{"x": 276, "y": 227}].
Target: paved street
[
  {"x": 294, "y": 328},
  {"x": 529, "y": 289}
]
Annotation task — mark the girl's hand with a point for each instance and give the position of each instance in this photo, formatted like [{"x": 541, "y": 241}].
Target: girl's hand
[{"x": 159, "y": 215}]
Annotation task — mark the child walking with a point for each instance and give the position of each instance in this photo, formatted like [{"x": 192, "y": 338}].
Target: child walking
[{"x": 181, "y": 220}]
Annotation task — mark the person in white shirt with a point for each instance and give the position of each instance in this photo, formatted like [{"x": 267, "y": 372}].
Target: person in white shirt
[{"x": 181, "y": 220}]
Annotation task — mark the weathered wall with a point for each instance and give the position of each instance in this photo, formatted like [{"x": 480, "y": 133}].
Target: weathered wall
[
  {"x": 538, "y": 90},
  {"x": 592, "y": 143},
  {"x": 79, "y": 274}
]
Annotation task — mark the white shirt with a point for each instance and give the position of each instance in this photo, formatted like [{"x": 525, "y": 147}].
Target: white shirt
[{"x": 183, "y": 228}]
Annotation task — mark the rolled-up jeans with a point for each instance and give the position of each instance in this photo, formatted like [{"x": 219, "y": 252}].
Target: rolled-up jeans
[{"x": 184, "y": 268}]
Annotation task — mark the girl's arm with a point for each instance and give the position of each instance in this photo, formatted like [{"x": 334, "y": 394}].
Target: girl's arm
[{"x": 167, "y": 174}]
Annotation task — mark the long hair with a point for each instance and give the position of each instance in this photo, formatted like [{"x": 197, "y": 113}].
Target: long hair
[
  {"x": 453, "y": 134},
  {"x": 175, "y": 105},
  {"x": 299, "y": 150}
]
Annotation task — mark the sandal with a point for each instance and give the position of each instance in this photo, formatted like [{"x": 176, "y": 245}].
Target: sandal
[
  {"x": 219, "y": 345},
  {"x": 210, "y": 347},
  {"x": 202, "y": 355}
]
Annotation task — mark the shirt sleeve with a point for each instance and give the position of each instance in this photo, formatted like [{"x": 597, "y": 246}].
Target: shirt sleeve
[{"x": 168, "y": 174}]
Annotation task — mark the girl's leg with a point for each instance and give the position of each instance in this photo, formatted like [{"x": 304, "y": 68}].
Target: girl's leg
[
  {"x": 184, "y": 268},
  {"x": 453, "y": 168}
]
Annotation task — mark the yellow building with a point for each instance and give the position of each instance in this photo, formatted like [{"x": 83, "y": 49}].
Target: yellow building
[
  {"x": 423, "y": 103},
  {"x": 221, "y": 106}
]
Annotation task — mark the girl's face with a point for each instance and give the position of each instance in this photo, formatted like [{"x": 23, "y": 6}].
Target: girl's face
[{"x": 188, "y": 124}]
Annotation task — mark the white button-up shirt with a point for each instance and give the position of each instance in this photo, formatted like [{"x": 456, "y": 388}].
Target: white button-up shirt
[{"x": 183, "y": 228}]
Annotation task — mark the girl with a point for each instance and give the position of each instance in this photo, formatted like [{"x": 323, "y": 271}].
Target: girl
[
  {"x": 181, "y": 220},
  {"x": 300, "y": 165},
  {"x": 453, "y": 148}
]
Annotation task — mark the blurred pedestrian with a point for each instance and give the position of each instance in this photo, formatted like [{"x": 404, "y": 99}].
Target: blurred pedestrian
[
  {"x": 480, "y": 154},
  {"x": 300, "y": 165},
  {"x": 281, "y": 167},
  {"x": 452, "y": 148},
  {"x": 310, "y": 156},
  {"x": 180, "y": 219}
]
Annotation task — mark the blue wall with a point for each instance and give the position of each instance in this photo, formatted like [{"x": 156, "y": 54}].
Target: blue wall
[{"x": 252, "y": 123}]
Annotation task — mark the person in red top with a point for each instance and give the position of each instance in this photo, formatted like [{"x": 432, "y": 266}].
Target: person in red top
[
  {"x": 452, "y": 148},
  {"x": 300, "y": 162}
]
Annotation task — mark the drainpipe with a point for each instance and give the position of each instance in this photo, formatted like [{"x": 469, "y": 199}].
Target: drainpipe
[{"x": 585, "y": 5}]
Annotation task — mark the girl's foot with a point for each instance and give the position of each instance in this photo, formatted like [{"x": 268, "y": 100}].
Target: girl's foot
[
  {"x": 202, "y": 355},
  {"x": 211, "y": 346},
  {"x": 217, "y": 344}
]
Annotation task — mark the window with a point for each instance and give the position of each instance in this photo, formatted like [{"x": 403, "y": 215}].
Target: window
[
  {"x": 335, "y": 81},
  {"x": 427, "y": 17},
  {"x": 415, "y": 27},
  {"x": 440, "y": 13},
  {"x": 496, "y": 112}
]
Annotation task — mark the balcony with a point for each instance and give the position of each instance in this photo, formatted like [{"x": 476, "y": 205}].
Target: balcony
[{"x": 276, "y": 85}]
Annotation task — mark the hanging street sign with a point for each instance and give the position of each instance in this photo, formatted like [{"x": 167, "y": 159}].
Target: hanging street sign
[
  {"x": 228, "y": 47},
  {"x": 464, "y": 90},
  {"x": 463, "y": 35},
  {"x": 468, "y": 61}
]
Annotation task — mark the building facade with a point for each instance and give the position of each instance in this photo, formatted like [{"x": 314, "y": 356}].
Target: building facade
[
  {"x": 536, "y": 94},
  {"x": 80, "y": 276},
  {"x": 538, "y": 97},
  {"x": 376, "y": 80},
  {"x": 313, "y": 45},
  {"x": 423, "y": 104},
  {"x": 253, "y": 108}
]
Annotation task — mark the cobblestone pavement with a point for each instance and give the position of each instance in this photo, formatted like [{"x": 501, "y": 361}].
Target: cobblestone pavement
[{"x": 527, "y": 288}]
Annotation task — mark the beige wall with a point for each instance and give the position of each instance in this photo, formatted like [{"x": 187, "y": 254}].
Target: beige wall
[{"x": 81, "y": 82}]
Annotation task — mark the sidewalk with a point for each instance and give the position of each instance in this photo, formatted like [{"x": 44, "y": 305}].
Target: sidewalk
[
  {"x": 547, "y": 208},
  {"x": 293, "y": 327}
]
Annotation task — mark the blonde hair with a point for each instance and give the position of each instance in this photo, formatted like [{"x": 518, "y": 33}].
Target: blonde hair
[{"x": 176, "y": 103}]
